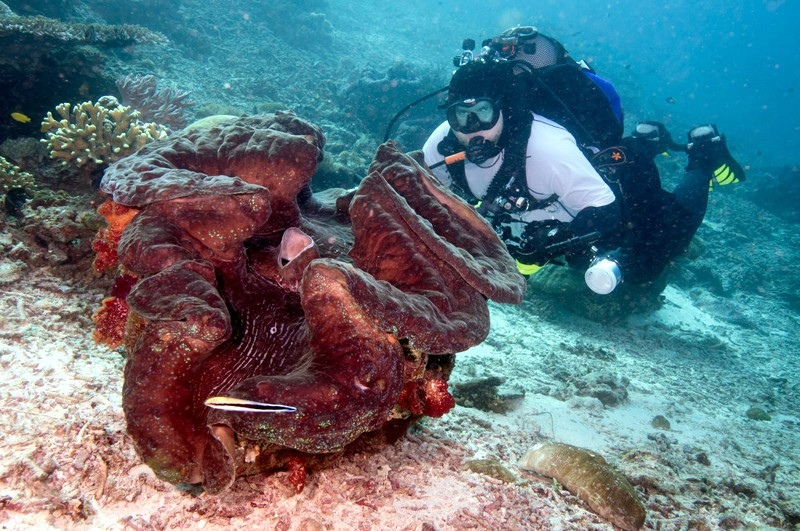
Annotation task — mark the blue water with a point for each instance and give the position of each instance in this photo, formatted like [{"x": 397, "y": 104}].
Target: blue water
[
  {"x": 733, "y": 63},
  {"x": 683, "y": 62}
]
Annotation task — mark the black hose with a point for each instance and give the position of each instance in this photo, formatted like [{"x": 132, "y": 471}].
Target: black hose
[{"x": 406, "y": 108}]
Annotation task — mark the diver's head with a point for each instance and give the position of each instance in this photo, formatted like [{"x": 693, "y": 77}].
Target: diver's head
[
  {"x": 474, "y": 118},
  {"x": 476, "y": 102}
]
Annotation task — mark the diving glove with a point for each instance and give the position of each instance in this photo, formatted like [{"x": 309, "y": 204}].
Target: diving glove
[
  {"x": 708, "y": 151},
  {"x": 539, "y": 243}
]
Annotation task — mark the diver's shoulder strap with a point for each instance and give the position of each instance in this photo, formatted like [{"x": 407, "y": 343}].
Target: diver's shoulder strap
[{"x": 512, "y": 176}]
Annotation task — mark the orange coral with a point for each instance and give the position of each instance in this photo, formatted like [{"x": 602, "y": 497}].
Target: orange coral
[
  {"x": 110, "y": 320},
  {"x": 105, "y": 243}
]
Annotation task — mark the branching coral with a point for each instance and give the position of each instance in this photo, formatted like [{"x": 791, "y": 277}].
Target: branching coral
[
  {"x": 97, "y": 133},
  {"x": 12, "y": 177},
  {"x": 166, "y": 106}
]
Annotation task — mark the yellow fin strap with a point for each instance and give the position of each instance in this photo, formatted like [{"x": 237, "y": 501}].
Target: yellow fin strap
[
  {"x": 527, "y": 269},
  {"x": 723, "y": 175}
]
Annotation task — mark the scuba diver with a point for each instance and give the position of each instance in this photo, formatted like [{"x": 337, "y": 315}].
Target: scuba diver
[
  {"x": 525, "y": 173},
  {"x": 568, "y": 185}
]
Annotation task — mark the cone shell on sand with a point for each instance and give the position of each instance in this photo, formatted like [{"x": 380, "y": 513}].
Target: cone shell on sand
[{"x": 590, "y": 478}]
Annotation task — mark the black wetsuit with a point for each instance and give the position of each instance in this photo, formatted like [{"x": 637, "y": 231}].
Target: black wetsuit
[{"x": 657, "y": 225}]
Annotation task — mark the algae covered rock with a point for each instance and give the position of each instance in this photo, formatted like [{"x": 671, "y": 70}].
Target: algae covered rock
[
  {"x": 758, "y": 413},
  {"x": 588, "y": 476},
  {"x": 567, "y": 288},
  {"x": 483, "y": 394},
  {"x": 660, "y": 422}
]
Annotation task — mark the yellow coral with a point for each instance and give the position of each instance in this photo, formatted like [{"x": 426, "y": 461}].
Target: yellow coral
[
  {"x": 11, "y": 177},
  {"x": 97, "y": 133}
]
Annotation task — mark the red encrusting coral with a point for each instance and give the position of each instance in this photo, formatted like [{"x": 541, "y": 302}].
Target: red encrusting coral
[
  {"x": 297, "y": 473},
  {"x": 438, "y": 400},
  {"x": 109, "y": 322},
  {"x": 426, "y": 395},
  {"x": 105, "y": 243},
  {"x": 411, "y": 399}
]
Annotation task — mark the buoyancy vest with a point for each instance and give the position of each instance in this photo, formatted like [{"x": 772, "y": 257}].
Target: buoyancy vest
[
  {"x": 575, "y": 99},
  {"x": 558, "y": 87}
]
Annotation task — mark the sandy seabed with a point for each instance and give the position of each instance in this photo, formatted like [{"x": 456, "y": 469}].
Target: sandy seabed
[{"x": 701, "y": 361}]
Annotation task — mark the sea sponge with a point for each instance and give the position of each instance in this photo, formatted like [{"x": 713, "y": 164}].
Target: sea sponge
[
  {"x": 97, "y": 133},
  {"x": 588, "y": 476}
]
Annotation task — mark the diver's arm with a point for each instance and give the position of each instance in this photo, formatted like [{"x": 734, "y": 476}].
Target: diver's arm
[
  {"x": 555, "y": 164},
  {"x": 602, "y": 220}
]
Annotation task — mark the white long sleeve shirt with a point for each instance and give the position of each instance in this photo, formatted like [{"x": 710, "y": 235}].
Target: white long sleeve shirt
[{"x": 554, "y": 165}]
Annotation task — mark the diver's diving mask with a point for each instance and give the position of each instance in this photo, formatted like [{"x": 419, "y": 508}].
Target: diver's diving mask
[{"x": 473, "y": 114}]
